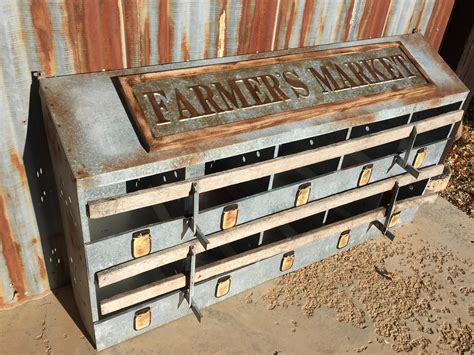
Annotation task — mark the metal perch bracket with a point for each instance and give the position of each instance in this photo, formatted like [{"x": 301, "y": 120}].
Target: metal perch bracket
[
  {"x": 384, "y": 228},
  {"x": 403, "y": 162},
  {"x": 192, "y": 222},
  {"x": 188, "y": 294}
]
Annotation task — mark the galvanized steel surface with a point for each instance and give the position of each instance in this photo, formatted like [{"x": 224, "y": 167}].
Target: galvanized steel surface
[
  {"x": 111, "y": 152},
  {"x": 63, "y": 37},
  {"x": 118, "y": 328}
]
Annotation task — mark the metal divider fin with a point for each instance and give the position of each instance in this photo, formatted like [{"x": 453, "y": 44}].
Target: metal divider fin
[
  {"x": 384, "y": 228},
  {"x": 188, "y": 293},
  {"x": 403, "y": 162},
  {"x": 193, "y": 227},
  {"x": 193, "y": 221}
]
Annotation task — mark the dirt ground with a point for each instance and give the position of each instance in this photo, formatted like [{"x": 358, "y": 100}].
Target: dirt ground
[
  {"x": 414, "y": 294},
  {"x": 460, "y": 191}
]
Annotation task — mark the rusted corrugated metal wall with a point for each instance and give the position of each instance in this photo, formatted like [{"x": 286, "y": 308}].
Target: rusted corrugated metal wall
[{"x": 72, "y": 36}]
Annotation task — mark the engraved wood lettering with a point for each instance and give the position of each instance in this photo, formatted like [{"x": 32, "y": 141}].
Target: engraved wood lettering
[{"x": 235, "y": 92}]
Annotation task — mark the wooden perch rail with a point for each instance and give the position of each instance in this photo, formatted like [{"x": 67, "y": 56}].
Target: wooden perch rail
[
  {"x": 175, "y": 282},
  {"x": 152, "y": 261},
  {"x": 152, "y": 196}
]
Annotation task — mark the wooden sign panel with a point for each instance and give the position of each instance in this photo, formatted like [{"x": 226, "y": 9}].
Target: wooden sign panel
[{"x": 180, "y": 106}]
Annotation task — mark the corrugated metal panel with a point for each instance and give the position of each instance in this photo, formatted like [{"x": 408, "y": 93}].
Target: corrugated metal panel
[{"x": 63, "y": 37}]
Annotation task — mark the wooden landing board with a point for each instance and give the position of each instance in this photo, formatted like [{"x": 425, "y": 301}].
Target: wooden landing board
[
  {"x": 180, "y": 251},
  {"x": 178, "y": 107},
  {"x": 155, "y": 195},
  {"x": 175, "y": 282}
]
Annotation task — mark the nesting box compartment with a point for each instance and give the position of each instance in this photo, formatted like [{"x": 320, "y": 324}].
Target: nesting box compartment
[{"x": 181, "y": 185}]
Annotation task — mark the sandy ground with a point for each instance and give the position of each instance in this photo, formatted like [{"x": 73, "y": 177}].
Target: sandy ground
[{"x": 245, "y": 324}]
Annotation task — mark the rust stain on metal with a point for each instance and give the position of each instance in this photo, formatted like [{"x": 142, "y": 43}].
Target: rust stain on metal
[
  {"x": 279, "y": 23},
  {"x": 98, "y": 30},
  {"x": 91, "y": 34},
  {"x": 91, "y": 29},
  {"x": 133, "y": 34},
  {"x": 41, "y": 267},
  {"x": 12, "y": 253},
  {"x": 82, "y": 173},
  {"x": 321, "y": 25},
  {"x": 373, "y": 18},
  {"x": 206, "y": 42},
  {"x": 184, "y": 48},
  {"x": 256, "y": 26},
  {"x": 307, "y": 17},
  {"x": 145, "y": 44},
  {"x": 18, "y": 166},
  {"x": 290, "y": 25},
  {"x": 438, "y": 22},
  {"x": 165, "y": 31},
  {"x": 70, "y": 29},
  {"x": 244, "y": 25},
  {"x": 347, "y": 23},
  {"x": 221, "y": 35},
  {"x": 110, "y": 24},
  {"x": 263, "y": 24},
  {"x": 43, "y": 33}
]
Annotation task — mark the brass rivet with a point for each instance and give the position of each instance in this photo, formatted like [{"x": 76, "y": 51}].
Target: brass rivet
[
  {"x": 287, "y": 261},
  {"x": 229, "y": 216},
  {"x": 141, "y": 243},
  {"x": 142, "y": 319},
  {"x": 365, "y": 175},
  {"x": 302, "y": 195},
  {"x": 419, "y": 157},
  {"x": 343, "y": 239},
  {"x": 394, "y": 219},
  {"x": 223, "y": 286}
]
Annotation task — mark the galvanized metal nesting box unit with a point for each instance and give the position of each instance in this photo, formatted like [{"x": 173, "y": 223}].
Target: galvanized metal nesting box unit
[{"x": 184, "y": 184}]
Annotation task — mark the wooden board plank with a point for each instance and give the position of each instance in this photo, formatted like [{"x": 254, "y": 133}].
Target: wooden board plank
[
  {"x": 144, "y": 198},
  {"x": 152, "y": 261},
  {"x": 175, "y": 282},
  {"x": 167, "y": 105}
]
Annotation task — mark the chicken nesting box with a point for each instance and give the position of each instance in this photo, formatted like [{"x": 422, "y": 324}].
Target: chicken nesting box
[{"x": 184, "y": 184}]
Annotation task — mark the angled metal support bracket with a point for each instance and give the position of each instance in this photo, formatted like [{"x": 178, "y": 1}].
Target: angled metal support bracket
[
  {"x": 188, "y": 294},
  {"x": 403, "y": 162},
  {"x": 384, "y": 228},
  {"x": 193, "y": 221}
]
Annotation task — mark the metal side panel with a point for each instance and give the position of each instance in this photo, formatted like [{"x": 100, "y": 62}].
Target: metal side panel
[
  {"x": 164, "y": 309},
  {"x": 69, "y": 206},
  {"x": 117, "y": 249}
]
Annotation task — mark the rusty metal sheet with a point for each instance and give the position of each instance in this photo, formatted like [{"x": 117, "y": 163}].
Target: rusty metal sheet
[
  {"x": 67, "y": 36},
  {"x": 291, "y": 86}
]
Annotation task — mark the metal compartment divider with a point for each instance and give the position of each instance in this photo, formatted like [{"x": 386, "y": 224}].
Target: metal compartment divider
[
  {"x": 164, "y": 308},
  {"x": 289, "y": 192}
]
